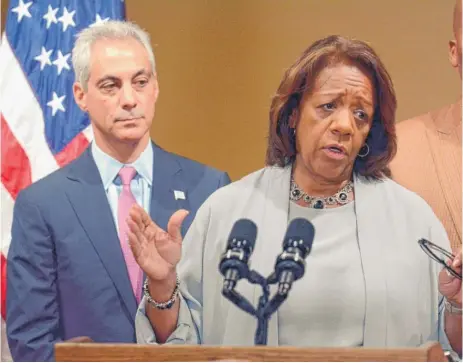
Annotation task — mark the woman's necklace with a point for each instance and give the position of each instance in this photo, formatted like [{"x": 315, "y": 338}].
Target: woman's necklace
[{"x": 341, "y": 197}]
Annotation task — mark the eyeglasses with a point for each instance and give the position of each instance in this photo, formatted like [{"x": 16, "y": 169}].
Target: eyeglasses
[{"x": 438, "y": 254}]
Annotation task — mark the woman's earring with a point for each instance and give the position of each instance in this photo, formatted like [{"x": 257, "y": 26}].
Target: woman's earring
[{"x": 365, "y": 153}]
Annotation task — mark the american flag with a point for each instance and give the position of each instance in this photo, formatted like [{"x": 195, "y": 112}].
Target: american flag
[{"x": 42, "y": 128}]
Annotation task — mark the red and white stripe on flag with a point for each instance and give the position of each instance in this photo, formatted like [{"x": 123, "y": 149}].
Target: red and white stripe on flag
[
  {"x": 42, "y": 128},
  {"x": 25, "y": 155}
]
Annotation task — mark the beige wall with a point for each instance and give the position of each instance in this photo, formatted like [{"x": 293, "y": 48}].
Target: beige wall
[{"x": 219, "y": 62}]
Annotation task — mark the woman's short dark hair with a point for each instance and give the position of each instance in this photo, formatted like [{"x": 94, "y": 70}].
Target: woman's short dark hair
[{"x": 299, "y": 80}]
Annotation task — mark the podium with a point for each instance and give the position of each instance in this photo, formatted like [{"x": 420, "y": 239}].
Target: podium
[{"x": 84, "y": 350}]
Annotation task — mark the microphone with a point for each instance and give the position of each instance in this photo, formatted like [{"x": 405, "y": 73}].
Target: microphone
[
  {"x": 234, "y": 261},
  {"x": 297, "y": 244}
]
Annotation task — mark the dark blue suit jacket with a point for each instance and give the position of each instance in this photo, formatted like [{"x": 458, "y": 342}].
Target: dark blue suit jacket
[{"x": 66, "y": 272}]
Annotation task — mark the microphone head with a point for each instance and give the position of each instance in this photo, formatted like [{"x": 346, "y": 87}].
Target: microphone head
[
  {"x": 300, "y": 234},
  {"x": 240, "y": 244},
  {"x": 243, "y": 235}
]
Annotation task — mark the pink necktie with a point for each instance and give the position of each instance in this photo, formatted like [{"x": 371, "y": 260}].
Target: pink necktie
[{"x": 126, "y": 200}]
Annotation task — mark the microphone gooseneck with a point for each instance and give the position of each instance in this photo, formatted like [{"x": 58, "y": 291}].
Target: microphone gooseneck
[{"x": 289, "y": 267}]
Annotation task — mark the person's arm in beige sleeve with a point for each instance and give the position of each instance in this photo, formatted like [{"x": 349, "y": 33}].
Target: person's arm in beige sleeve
[
  {"x": 158, "y": 252},
  {"x": 450, "y": 288}
]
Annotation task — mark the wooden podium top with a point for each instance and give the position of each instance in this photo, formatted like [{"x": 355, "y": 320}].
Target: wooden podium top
[{"x": 83, "y": 350}]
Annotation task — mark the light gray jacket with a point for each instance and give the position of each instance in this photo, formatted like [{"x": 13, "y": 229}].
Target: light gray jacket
[{"x": 401, "y": 288}]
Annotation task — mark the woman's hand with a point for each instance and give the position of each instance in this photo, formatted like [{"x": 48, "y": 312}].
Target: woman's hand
[
  {"x": 155, "y": 250},
  {"x": 449, "y": 285}
]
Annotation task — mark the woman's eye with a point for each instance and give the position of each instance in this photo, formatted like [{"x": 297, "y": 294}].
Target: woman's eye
[
  {"x": 328, "y": 106},
  {"x": 362, "y": 115}
]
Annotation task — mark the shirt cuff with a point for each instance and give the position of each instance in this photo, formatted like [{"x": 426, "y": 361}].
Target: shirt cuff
[
  {"x": 442, "y": 336},
  {"x": 183, "y": 334}
]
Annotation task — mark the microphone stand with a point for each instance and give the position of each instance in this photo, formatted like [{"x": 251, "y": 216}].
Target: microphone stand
[{"x": 265, "y": 307}]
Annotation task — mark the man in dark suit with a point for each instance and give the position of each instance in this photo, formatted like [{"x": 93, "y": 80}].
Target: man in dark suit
[{"x": 70, "y": 269}]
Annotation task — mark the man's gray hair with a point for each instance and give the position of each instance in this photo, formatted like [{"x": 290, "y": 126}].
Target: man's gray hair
[{"x": 112, "y": 29}]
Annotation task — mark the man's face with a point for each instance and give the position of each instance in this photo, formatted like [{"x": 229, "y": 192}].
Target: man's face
[
  {"x": 122, "y": 92},
  {"x": 455, "y": 53},
  {"x": 455, "y": 45}
]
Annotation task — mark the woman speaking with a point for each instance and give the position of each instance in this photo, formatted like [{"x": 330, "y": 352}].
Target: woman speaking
[{"x": 368, "y": 283}]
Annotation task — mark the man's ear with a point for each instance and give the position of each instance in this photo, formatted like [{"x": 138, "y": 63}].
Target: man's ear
[
  {"x": 80, "y": 96},
  {"x": 453, "y": 53},
  {"x": 156, "y": 86}
]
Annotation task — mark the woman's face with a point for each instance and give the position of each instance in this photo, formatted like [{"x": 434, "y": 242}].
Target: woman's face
[{"x": 335, "y": 119}]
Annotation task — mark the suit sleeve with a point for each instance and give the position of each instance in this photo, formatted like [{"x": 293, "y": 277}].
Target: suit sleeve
[
  {"x": 32, "y": 312},
  {"x": 224, "y": 180}
]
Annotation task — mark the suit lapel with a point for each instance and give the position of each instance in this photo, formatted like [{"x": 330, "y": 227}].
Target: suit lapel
[
  {"x": 446, "y": 150},
  {"x": 169, "y": 192},
  {"x": 371, "y": 242},
  {"x": 90, "y": 203}
]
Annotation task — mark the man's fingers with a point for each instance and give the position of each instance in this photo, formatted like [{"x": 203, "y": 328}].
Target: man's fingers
[{"x": 175, "y": 224}]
